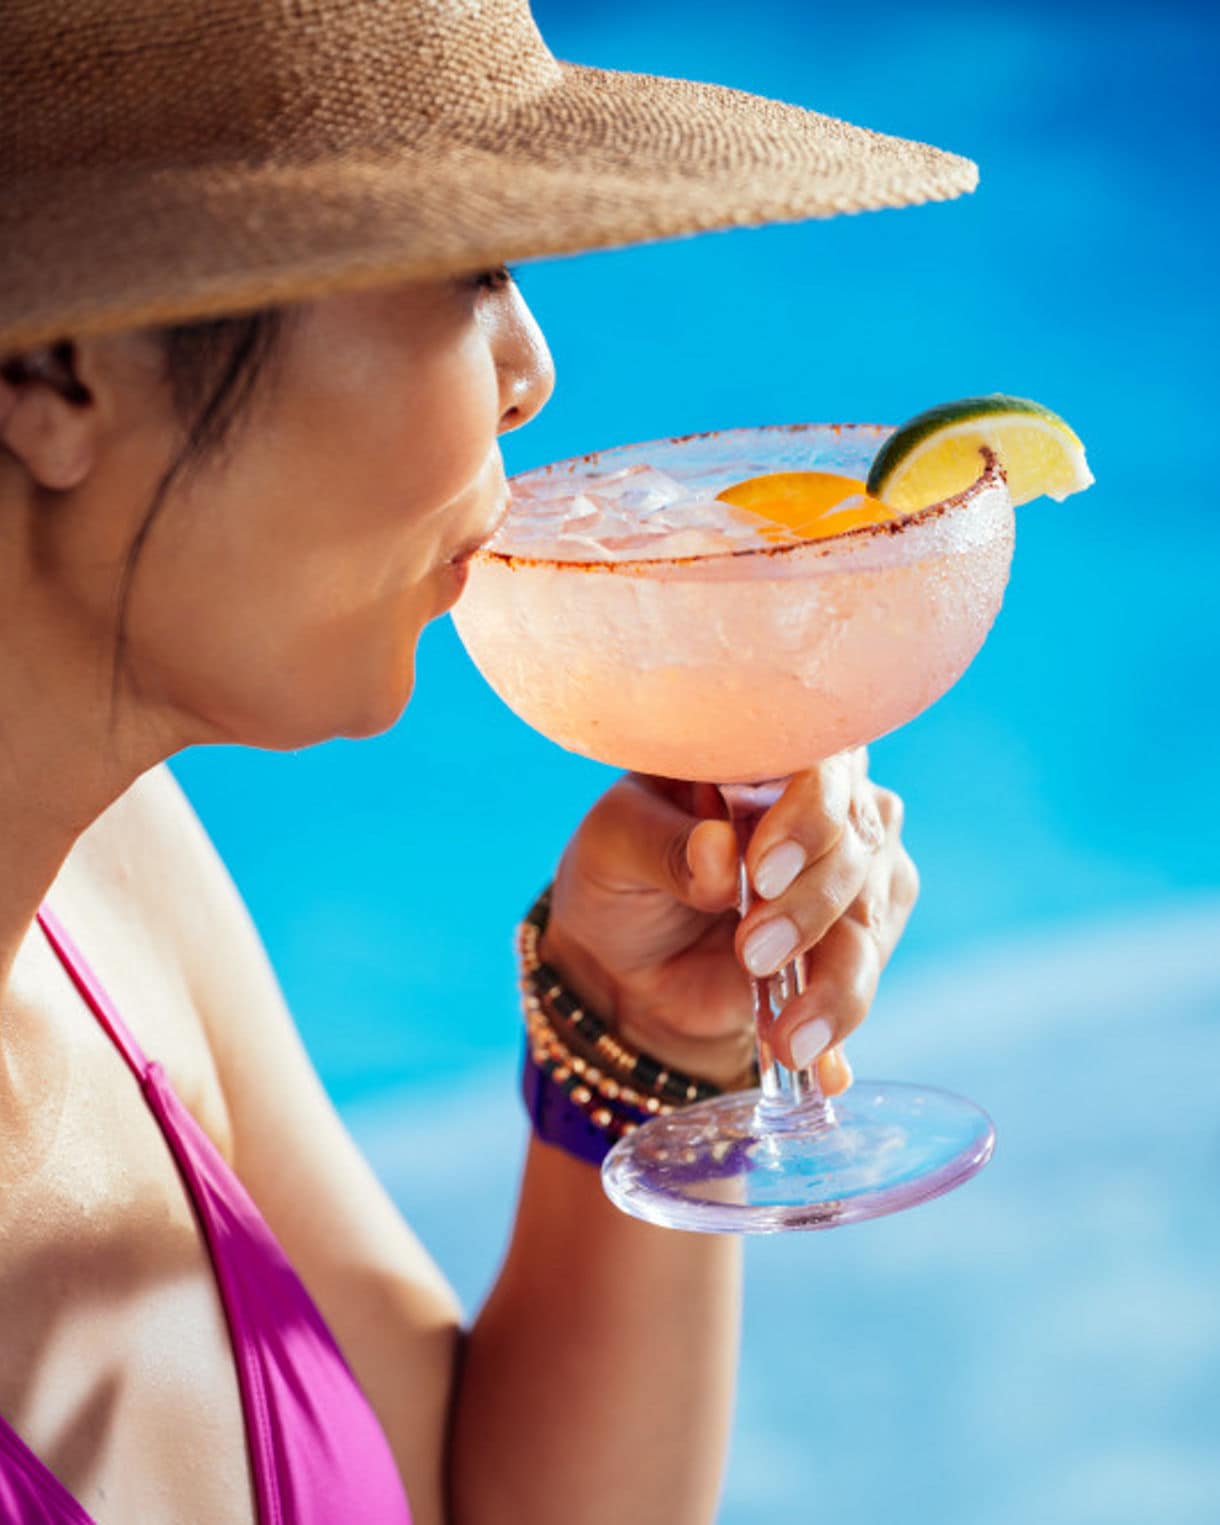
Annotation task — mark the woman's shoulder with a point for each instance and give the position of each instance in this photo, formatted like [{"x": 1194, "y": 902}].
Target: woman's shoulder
[
  {"x": 149, "y": 856},
  {"x": 148, "y": 847},
  {"x": 382, "y": 1295}
]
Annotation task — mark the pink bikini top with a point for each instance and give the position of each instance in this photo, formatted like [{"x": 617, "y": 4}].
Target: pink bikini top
[{"x": 318, "y": 1453}]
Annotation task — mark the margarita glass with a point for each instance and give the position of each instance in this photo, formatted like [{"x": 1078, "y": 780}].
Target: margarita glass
[{"x": 739, "y": 665}]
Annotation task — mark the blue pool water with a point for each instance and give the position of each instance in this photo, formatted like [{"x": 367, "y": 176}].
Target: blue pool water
[{"x": 1045, "y": 1344}]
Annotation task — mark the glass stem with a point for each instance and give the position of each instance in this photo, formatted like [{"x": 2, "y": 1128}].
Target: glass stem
[{"x": 789, "y": 1097}]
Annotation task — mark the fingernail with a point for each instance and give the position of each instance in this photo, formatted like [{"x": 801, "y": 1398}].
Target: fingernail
[
  {"x": 769, "y": 945},
  {"x": 808, "y": 1041},
  {"x": 778, "y": 869}
]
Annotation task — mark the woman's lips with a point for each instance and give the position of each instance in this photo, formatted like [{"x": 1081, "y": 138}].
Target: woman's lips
[{"x": 468, "y": 547}]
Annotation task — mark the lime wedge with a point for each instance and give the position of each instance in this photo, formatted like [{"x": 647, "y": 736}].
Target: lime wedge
[{"x": 936, "y": 454}]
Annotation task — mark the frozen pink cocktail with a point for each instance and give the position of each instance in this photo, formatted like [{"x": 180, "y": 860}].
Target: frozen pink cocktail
[
  {"x": 695, "y": 648},
  {"x": 630, "y": 614}
]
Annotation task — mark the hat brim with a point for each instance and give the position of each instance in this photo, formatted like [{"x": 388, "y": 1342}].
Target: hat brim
[{"x": 603, "y": 159}]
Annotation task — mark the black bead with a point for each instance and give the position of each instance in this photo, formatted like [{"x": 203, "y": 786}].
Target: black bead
[
  {"x": 647, "y": 1070},
  {"x": 566, "y": 1004}
]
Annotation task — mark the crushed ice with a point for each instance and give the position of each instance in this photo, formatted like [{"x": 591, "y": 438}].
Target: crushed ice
[{"x": 634, "y": 513}]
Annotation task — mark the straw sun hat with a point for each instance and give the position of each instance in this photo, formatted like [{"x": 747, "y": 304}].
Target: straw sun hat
[{"x": 168, "y": 159}]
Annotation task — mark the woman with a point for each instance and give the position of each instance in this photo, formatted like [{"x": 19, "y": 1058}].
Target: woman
[{"x": 255, "y": 363}]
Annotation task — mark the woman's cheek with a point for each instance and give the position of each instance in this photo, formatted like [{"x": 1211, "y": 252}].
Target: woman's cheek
[{"x": 449, "y": 421}]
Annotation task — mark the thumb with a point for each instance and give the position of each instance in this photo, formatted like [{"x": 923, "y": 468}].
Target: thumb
[
  {"x": 645, "y": 839},
  {"x": 711, "y": 864}
]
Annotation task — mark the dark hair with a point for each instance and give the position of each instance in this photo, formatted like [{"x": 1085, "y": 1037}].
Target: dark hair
[{"x": 212, "y": 368}]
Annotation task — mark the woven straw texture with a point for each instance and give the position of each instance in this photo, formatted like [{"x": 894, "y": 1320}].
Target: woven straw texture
[{"x": 168, "y": 159}]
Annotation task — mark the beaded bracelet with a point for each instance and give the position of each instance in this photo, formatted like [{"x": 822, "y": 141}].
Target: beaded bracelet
[
  {"x": 584, "y": 1106},
  {"x": 639, "y": 1069},
  {"x": 577, "y": 1076},
  {"x": 563, "y": 1090},
  {"x": 558, "y": 1120}
]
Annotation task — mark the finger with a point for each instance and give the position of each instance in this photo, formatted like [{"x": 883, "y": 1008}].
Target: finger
[
  {"x": 637, "y": 838},
  {"x": 802, "y": 826},
  {"x": 890, "y": 889},
  {"x": 774, "y": 931},
  {"x": 902, "y": 895},
  {"x": 878, "y": 823},
  {"x": 834, "y": 1072},
  {"x": 883, "y": 906},
  {"x": 865, "y": 817},
  {"x": 890, "y": 808},
  {"x": 841, "y": 984},
  {"x": 711, "y": 857}
]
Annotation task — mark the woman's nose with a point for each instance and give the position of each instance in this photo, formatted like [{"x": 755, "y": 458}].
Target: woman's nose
[{"x": 526, "y": 370}]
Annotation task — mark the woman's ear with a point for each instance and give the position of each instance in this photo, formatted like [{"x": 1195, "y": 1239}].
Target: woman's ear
[{"x": 48, "y": 420}]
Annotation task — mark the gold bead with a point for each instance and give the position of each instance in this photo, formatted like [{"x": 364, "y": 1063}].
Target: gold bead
[
  {"x": 578, "y": 1064},
  {"x": 610, "y": 1089},
  {"x": 632, "y": 1098},
  {"x": 629, "y": 1128},
  {"x": 592, "y": 1075},
  {"x": 581, "y": 1095},
  {"x": 561, "y": 1074},
  {"x": 602, "y": 1117},
  {"x": 652, "y": 1104}
]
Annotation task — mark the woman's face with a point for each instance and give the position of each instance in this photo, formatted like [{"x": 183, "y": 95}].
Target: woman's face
[{"x": 282, "y": 590}]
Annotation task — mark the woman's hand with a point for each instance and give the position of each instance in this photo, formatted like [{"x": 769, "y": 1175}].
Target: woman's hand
[{"x": 644, "y": 924}]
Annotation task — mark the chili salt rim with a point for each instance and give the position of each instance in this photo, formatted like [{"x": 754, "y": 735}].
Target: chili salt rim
[{"x": 991, "y": 475}]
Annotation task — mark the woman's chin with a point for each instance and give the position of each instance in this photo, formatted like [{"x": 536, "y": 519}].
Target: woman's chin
[
  {"x": 452, "y": 576},
  {"x": 383, "y": 709},
  {"x": 351, "y": 682},
  {"x": 369, "y": 703}
]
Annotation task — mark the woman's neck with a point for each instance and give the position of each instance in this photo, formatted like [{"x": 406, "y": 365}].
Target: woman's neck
[{"x": 62, "y": 763}]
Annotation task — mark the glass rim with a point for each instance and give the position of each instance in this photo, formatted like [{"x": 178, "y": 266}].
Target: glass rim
[{"x": 991, "y": 475}]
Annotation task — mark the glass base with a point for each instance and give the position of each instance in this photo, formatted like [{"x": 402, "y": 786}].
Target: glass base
[{"x": 733, "y": 1165}]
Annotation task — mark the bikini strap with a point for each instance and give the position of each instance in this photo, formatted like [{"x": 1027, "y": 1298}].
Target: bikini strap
[{"x": 90, "y": 987}]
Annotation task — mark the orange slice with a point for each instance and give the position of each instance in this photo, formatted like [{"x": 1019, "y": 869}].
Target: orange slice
[{"x": 806, "y": 505}]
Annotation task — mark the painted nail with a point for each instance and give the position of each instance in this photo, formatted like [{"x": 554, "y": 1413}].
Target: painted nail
[
  {"x": 808, "y": 1041},
  {"x": 778, "y": 869},
  {"x": 769, "y": 945}
]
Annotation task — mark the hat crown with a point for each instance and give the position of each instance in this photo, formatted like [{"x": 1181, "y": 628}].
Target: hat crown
[{"x": 94, "y": 83}]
